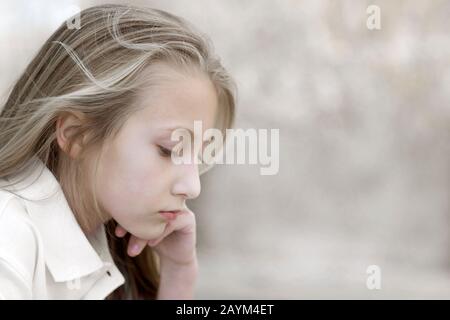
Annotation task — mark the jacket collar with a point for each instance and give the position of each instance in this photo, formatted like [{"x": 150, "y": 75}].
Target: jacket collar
[{"x": 67, "y": 251}]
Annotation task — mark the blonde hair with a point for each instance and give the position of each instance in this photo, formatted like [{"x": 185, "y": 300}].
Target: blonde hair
[{"x": 96, "y": 71}]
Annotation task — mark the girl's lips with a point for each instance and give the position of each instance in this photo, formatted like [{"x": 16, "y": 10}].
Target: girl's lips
[{"x": 170, "y": 215}]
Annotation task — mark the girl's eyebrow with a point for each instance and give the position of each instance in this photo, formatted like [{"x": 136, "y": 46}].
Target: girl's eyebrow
[
  {"x": 171, "y": 129},
  {"x": 179, "y": 127}
]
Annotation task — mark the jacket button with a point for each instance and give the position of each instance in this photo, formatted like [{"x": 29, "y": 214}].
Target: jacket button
[{"x": 108, "y": 273}]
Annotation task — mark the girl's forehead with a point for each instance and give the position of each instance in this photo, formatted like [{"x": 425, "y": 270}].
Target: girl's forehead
[{"x": 179, "y": 103}]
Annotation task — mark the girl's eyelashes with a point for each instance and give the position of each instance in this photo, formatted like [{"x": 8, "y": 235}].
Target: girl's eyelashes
[
  {"x": 167, "y": 153},
  {"x": 164, "y": 151}
]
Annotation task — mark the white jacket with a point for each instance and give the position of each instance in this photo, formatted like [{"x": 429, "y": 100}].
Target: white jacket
[{"x": 44, "y": 254}]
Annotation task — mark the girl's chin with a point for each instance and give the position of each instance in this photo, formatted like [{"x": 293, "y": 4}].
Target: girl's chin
[{"x": 148, "y": 231}]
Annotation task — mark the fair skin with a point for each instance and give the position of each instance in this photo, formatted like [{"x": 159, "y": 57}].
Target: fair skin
[{"x": 137, "y": 177}]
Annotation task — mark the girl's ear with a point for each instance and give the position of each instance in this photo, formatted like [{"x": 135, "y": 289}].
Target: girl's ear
[{"x": 67, "y": 124}]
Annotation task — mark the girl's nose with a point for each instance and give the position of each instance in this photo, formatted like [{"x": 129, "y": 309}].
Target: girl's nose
[{"x": 187, "y": 184}]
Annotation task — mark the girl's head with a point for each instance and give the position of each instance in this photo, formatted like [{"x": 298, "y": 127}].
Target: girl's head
[
  {"x": 136, "y": 177},
  {"x": 98, "y": 105}
]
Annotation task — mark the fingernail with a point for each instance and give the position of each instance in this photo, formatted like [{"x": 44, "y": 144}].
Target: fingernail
[{"x": 135, "y": 249}]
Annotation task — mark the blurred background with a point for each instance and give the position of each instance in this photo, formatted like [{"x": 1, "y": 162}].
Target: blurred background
[{"x": 364, "y": 120}]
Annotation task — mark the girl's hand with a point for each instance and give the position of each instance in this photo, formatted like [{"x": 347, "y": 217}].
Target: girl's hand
[{"x": 176, "y": 245}]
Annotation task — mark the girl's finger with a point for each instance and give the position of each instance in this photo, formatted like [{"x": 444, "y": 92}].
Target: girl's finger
[
  {"x": 183, "y": 223},
  {"x": 135, "y": 246},
  {"x": 120, "y": 231},
  {"x": 169, "y": 229}
]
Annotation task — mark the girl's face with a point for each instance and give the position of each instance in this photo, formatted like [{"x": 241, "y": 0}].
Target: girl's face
[{"x": 136, "y": 175}]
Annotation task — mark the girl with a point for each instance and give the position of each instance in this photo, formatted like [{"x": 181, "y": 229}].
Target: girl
[{"x": 91, "y": 205}]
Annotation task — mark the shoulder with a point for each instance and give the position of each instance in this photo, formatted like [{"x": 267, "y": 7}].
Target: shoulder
[
  {"x": 18, "y": 236},
  {"x": 18, "y": 241}
]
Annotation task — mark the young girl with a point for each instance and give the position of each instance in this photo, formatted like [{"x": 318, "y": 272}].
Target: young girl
[{"x": 91, "y": 204}]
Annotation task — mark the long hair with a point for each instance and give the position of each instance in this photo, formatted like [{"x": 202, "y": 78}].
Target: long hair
[{"x": 96, "y": 71}]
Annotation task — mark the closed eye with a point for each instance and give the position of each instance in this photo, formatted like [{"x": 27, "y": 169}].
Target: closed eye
[{"x": 164, "y": 152}]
